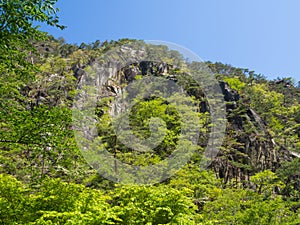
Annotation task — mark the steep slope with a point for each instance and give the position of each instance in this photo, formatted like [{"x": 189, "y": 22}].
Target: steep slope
[{"x": 248, "y": 147}]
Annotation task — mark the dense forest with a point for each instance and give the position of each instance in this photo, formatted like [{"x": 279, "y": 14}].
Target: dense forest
[{"x": 45, "y": 177}]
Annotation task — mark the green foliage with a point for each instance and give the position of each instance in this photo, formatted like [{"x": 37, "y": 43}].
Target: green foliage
[
  {"x": 289, "y": 174},
  {"x": 153, "y": 205},
  {"x": 266, "y": 182},
  {"x": 264, "y": 100},
  {"x": 35, "y": 136},
  {"x": 246, "y": 207},
  {"x": 67, "y": 203},
  {"x": 13, "y": 199},
  {"x": 142, "y": 113},
  {"x": 235, "y": 83},
  {"x": 17, "y": 31},
  {"x": 48, "y": 149},
  {"x": 147, "y": 113},
  {"x": 54, "y": 202},
  {"x": 17, "y": 17},
  {"x": 202, "y": 183}
]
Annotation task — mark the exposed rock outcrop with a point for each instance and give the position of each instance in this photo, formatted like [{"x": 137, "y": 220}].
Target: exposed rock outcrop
[{"x": 248, "y": 147}]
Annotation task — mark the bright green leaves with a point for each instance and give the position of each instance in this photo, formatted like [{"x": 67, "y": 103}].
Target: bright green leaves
[
  {"x": 289, "y": 174},
  {"x": 261, "y": 205},
  {"x": 17, "y": 31},
  {"x": 25, "y": 132},
  {"x": 40, "y": 142},
  {"x": 266, "y": 183},
  {"x": 144, "y": 112},
  {"x": 280, "y": 118},
  {"x": 263, "y": 100},
  {"x": 17, "y": 17},
  {"x": 54, "y": 202},
  {"x": 235, "y": 83},
  {"x": 246, "y": 207},
  {"x": 12, "y": 199},
  {"x": 153, "y": 205},
  {"x": 57, "y": 202}
]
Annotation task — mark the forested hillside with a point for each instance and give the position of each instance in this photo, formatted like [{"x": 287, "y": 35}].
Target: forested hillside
[{"x": 45, "y": 177}]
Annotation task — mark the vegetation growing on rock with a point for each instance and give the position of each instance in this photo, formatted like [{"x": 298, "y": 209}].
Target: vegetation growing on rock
[{"x": 44, "y": 179}]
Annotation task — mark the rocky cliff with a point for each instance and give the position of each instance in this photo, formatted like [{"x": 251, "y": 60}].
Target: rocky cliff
[
  {"x": 248, "y": 146},
  {"x": 253, "y": 148}
]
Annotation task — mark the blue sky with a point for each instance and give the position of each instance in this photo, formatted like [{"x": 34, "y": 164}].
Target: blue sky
[{"x": 262, "y": 35}]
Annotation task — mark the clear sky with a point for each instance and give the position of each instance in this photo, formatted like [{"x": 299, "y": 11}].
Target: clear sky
[{"x": 261, "y": 35}]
